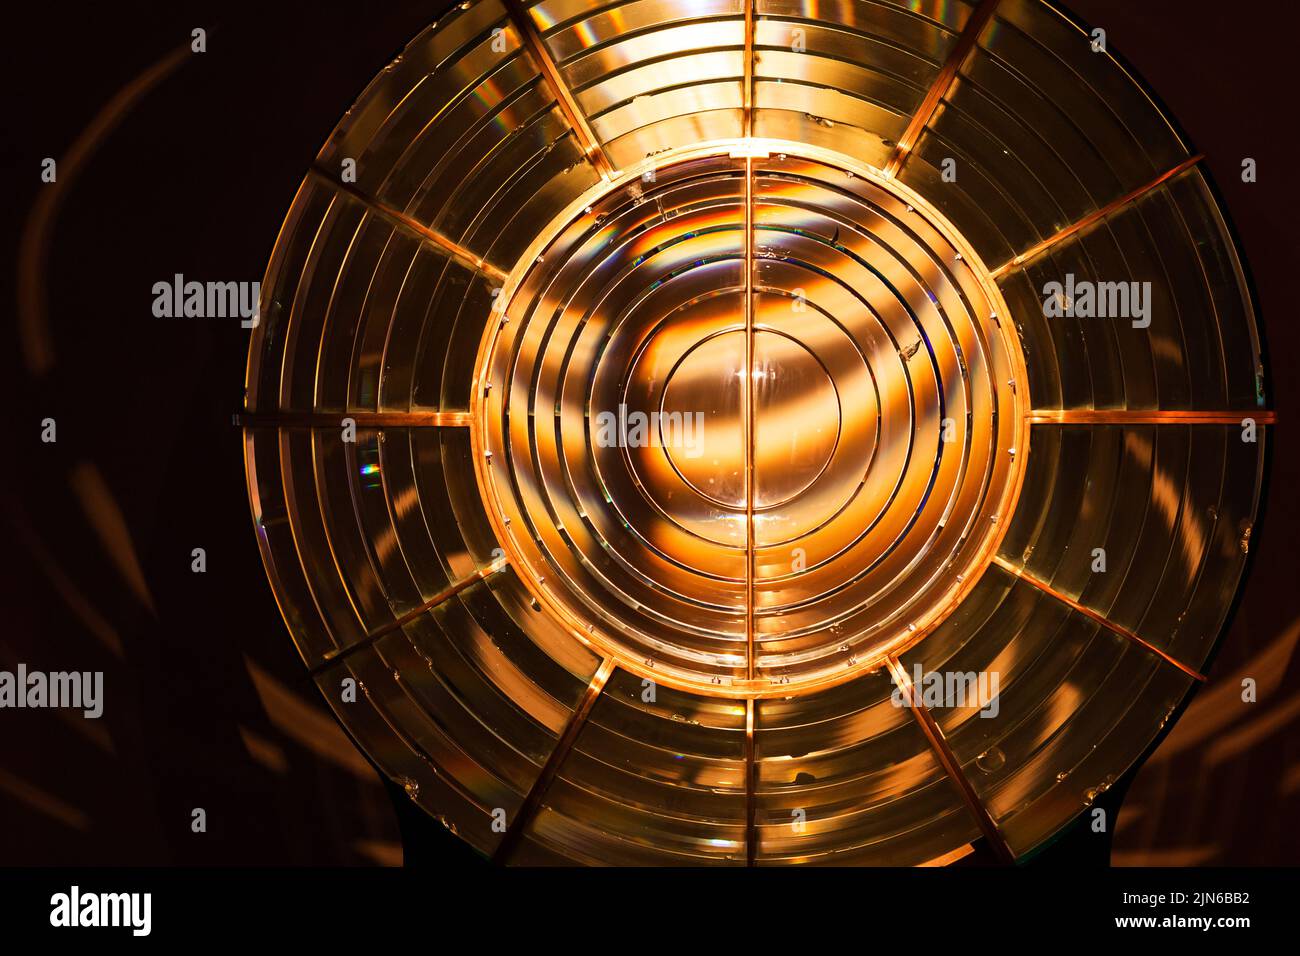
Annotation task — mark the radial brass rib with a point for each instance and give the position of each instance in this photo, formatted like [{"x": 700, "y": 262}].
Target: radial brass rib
[
  {"x": 533, "y": 801},
  {"x": 751, "y": 651},
  {"x": 1117, "y": 416},
  {"x": 942, "y": 84},
  {"x": 952, "y": 856},
  {"x": 943, "y": 753},
  {"x": 564, "y": 98},
  {"x": 1096, "y": 616},
  {"x": 748, "y": 91},
  {"x": 276, "y": 419},
  {"x": 1095, "y": 217},
  {"x": 446, "y": 594},
  {"x": 405, "y": 223},
  {"x": 751, "y": 785}
]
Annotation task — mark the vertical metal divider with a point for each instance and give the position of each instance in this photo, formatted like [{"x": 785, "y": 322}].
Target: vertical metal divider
[
  {"x": 751, "y": 783},
  {"x": 748, "y": 404}
]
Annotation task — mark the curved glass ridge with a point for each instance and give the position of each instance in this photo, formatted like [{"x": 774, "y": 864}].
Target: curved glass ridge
[{"x": 761, "y": 432}]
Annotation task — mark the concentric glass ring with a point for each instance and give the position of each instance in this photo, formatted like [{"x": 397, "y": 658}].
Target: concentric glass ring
[{"x": 879, "y": 432}]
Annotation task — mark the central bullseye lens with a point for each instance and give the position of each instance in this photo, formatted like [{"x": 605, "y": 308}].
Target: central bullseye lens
[
  {"x": 750, "y": 453},
  {"x": 796, "y": 418}
]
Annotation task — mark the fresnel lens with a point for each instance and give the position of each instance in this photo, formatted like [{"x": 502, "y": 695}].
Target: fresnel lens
[{"x": 772, "y": 432}]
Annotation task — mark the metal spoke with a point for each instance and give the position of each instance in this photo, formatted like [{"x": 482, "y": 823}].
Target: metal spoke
[
  {"x": 564, "y": 98},
  {"x": 446, "y": 594},
  {"x": 943, "y": 753},
  {"x": 751, "y": 650},
  {"x": 747, "y": 93},
  {"x": 533, "y": 801},
  {"x": 1095, "y": 217},
  {"x": 362, "y": 419},
  {"x": 751, "y": 784},
  {"x": 941, "y": 86},
  {"x": 405, "y": 223},
  {"x": 1096, "y": 616},
  {"x": 1118, "y": 416}
]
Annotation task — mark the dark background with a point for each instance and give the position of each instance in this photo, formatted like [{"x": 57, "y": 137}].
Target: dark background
[{"x": 208, "y": 704}]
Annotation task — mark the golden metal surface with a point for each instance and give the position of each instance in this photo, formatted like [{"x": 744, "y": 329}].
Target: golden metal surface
[{"x": 689, "y": 651}]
